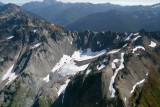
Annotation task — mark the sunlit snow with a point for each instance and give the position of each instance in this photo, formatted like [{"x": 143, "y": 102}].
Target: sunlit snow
[
  {"x": 46, "y": 79},
  {"x": 100, "y": 67},
  {"x": 153, "y": 44},
  {"x": 88, "y": 71},
  {"x": 138, "y": 83},
  {"x": 114, "y": 51},
  {"x": 9, "y": 75},
  {"x": 137, "y": 47},
  {"x": 10, "y": 37},
  {"x": 113, "y": 63},
  {"x": 63, "y": 87},
  {"x": 134, "y": 39},
  {"x": 36, "y": 45},
  {"x": 111, "y": 88}
]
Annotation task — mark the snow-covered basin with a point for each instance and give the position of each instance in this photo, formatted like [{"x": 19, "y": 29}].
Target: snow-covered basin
[{"x": 67, "y": 65}]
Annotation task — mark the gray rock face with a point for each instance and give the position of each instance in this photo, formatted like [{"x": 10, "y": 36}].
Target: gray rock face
[{"x": 34, "y": 53}]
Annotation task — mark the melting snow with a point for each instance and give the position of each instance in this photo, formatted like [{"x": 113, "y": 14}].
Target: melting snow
[
  {"x": 111, "y": 88},
  {"x": 36, "y": 45},
  {"x": 46, "y": 79},
  {"x": 153, "y": 44},
  {"x": 138, "y": 83},
  {"x": 88, "y": 71},
  {"x": 11, "y": 76},
  {"x": 138, "y": 47},
  {"x": 10, "y": 37},
  {"x": 63, "y": 87},
  {"x": 101, "y": 67}
]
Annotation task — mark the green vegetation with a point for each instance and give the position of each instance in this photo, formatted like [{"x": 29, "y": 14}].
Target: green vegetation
[{"x": 149, "y": 94}]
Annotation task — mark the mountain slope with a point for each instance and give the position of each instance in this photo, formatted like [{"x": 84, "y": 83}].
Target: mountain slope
[
  {"x": 42, "y": 64},
  {"x": 118, "y": 21}
]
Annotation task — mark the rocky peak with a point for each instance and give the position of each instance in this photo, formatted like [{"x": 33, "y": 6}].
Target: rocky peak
[{"x": 10, "y": 7}]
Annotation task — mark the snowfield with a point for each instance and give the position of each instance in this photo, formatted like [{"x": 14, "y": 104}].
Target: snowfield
[
  {"x": 153, "y": 44},
  {"x": 9, "y": 75},
  {"x": 111, "y": 88},
  {"x": 67, "y": 66},
  {"x": 137, "y": 47},
  {"x": 138, "y": 83}
]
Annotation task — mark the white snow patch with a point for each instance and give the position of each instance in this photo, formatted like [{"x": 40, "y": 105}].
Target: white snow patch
[
  {"x": 153, "y": 44},
  {"x": 105, "y": 59},
  {"x": 10, "y": 37},
  {"x": 129, "y": 37},
  {"x": 88, "y": 71},
  {"x": 11, "y": 76},
  {"x": 71, "y": 68},
  {"x": 36, "y": 45},
  {"x": 86, "y": 55},
  {"x": 117, "y": 37},
  {"x": 138, "y": 83},
  {"x": 62, "y": 61},
  {"x": 135, "y": 34},
  {"x": 125, "y": 45},
  {"x": 63, "y": 87},
  {"x": 134, "y": 39},
  {"x": 98, "y": 42},
  {"x": 125, "y": 99},
  {"x": 46, "y": 79},
  {"x": 101, "y": 67},
  {"x": 147, "y": 74},
  {"x": 138, "y": 47},
  {"x": 113, "y": 63},
  {"x": 35, "y": 30},
  {"x": 111, "y": 88},
  {"x": 114, "y": 51}
]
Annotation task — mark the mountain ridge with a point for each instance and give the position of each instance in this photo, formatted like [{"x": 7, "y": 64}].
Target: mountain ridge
[{"x": 42, "y": 64}]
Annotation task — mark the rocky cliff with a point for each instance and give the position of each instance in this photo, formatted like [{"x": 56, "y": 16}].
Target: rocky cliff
[{"x": 42, "y": 64}]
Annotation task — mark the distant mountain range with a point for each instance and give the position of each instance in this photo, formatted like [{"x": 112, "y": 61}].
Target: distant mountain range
[
  {"x": 119, "y": 21},
  {"x": 1, "y": 4},
  {"x": 98, "y": 17}
]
